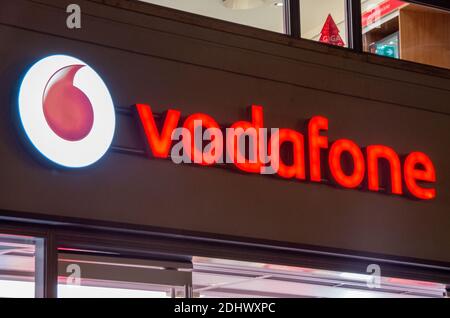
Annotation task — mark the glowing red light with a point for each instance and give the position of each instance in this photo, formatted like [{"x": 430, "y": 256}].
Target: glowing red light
[
  {"x": 337, "y": 149},
  {"x": 192, "y": 150},
  {"x": 316, "y": 142},
  {"x": 418, "y": 167},
  {"x": 159, "y": 143},
  {"x": 72, "y": 119},
  {"x": 239, "y": 158},
  {"x": 376, "y": 152},
  {"x": 297, "y": 169}
]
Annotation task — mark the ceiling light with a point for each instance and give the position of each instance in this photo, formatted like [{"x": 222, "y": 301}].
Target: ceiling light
[
  {"x": 242, "y": 4},
  {"x": 250, "y": 4},
  {"x": 353, "y": 276}
]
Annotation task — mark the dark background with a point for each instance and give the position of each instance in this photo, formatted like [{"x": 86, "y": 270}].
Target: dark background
[{"x": 144, "y": 56}]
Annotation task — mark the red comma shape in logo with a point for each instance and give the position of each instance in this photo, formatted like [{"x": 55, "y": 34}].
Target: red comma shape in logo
[{"x": 67, "y": 109}]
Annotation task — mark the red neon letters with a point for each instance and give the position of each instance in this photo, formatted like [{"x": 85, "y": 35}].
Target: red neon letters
[
  {"x": 425, "y": 174},
  {"x": 192, "y": 150},
  {"x": 297, "y": 168},
  {"x": 376, "y": 152},
  {"x": 347, "y": 166},
  {"x": 158, "y": 144},
  {"x": 335, "y": 162},
  {"x": 316, "y": 142},
  {"x": 242, "y": 128}
]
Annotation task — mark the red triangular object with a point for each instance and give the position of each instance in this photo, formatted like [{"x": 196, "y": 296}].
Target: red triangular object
[{"x": 330, "y": 33}]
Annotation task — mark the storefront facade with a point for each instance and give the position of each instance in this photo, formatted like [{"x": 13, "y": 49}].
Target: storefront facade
[{"x": 131, "y": 206}]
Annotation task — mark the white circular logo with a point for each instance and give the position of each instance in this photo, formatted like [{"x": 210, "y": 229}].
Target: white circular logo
[{"x": 66, "y": 111}]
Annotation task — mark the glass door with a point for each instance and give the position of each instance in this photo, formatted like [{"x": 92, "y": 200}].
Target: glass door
[
  {"x": 18, "y": 266},
  {"x": 93, "y": 274}
]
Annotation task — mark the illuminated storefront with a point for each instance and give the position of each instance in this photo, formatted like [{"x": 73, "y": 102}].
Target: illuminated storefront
[{"x": 95, "y": 201}]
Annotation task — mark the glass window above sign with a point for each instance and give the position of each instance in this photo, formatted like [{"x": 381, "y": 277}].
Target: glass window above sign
[
  {"x": 324, "y": 21},
  {"x": 17, "y": 266},
  {"x": 262, "y": 14},
  {"x": 399, "y": 29},
  {"x": 391, "y": 28}
]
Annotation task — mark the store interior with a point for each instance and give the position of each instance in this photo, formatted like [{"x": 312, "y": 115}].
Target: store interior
[
  {"x": 412, "y": 32},
  {"x": 93, "y": 273},
  {"x": 391, "y": 28}
]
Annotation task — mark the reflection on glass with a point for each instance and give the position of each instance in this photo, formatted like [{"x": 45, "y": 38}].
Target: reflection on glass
[
  {"x": 94, "y": 291},
  {"x": 261, "y": 14},
  {"x": 398, "y": 29},
  {"x": 387, "y": 46},
  {"x": 17, "y": 266},
  {"x": 324, "y": 21},
  {"x": 227, "y": 278},
  {"x": 92, "y": 275}
]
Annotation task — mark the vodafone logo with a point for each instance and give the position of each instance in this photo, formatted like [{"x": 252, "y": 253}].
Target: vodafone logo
[
  {"x": 68, "y": 115},
  {"x": 66, "y": 111}
]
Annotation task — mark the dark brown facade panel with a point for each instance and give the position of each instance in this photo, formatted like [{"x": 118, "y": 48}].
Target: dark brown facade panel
[
  {"x": 367, "y": 103},
  {"x": 153, "y": 36}
]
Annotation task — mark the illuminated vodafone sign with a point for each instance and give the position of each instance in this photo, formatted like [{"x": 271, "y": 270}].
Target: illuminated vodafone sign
[
  {"x": 68, "y": 115},
  {"x": 313, "y": 157},
  {"x": 66, "y": 111}
]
